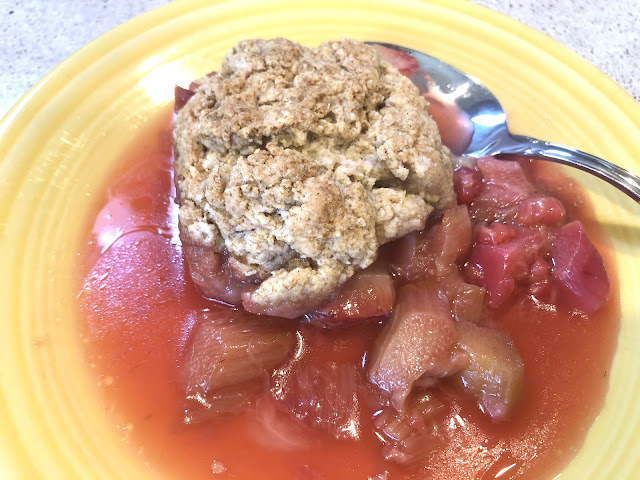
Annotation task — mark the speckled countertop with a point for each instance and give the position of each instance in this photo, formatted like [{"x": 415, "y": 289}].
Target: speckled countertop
[{"x": 36, "y": 35}]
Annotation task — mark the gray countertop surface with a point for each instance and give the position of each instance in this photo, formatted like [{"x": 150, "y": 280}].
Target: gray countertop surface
[{"x": 36, "y": 35}]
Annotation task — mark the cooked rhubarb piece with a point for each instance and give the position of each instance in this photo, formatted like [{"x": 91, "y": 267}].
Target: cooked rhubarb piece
[
  {"x": 182, "y": 96},
  {"x": 230, "y": 357},
  {"x": 495, "y": 370},
  {"x": 211, "y": 274},
  {"x": 505, "y": 182},
  {"x": 508, "y": 195},
  {"x": 434, "y": 251},
  {"x": 503, "y": 258},
  {"x": 433, "y": 255},
  {"x": 578, "y": 270},
  {"x": 407, "y": 436},
  {"x": 467, "y": 183},
  {"x": 466, "y": 300},
  {"x": 323, "y": 396},
  {"x": 368, "y": 294},
  {"x": 275, "y": 428},
  {"x": 416, "y": 347},
  {"x": 540, "y": 210}
]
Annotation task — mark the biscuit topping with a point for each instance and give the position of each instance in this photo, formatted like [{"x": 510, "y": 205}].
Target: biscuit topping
[{"x": 298, "y": 163}]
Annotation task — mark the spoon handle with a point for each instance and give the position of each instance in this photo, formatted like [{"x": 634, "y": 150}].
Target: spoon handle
[{"x": 615, "y": 175}]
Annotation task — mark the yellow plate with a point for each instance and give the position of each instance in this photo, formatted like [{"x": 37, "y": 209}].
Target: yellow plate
[{"x": 61, "y": 141}]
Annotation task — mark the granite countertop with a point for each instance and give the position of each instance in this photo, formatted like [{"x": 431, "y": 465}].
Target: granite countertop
[{"x": 39, "y": 34}]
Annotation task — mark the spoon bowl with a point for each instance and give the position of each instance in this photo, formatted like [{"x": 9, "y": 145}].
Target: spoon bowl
[{"x": 482, "y": 122}]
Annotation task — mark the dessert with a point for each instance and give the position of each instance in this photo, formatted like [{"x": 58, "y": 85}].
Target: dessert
[{"x": 475, "y": 344}]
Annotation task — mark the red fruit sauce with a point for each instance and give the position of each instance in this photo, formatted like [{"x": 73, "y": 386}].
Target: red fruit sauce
[{"x": 139, "y": 306}]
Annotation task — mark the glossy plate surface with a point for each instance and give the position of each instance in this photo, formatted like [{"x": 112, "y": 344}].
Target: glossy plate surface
[{"x": 62, "y": 140}]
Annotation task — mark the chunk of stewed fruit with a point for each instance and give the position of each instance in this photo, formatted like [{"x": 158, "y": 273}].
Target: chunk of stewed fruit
[
  {"x": 579, "y": 274},
  {"x": 435, "y": 251},
  {"x": 324, "y": 396},
  {"x": 495, "y": 372},
  {"x": 368, "y": 294},
  {"x": 416, "y": 347},
  {"x": 408, "y": 436},
  {"x": 230, "y": 358}
]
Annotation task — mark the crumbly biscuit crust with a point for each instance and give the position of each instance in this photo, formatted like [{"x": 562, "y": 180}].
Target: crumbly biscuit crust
[{"x": 299, "y": 163}]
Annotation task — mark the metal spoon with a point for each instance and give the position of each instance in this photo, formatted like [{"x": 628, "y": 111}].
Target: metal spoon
[{"x": 487, "y": 123}]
